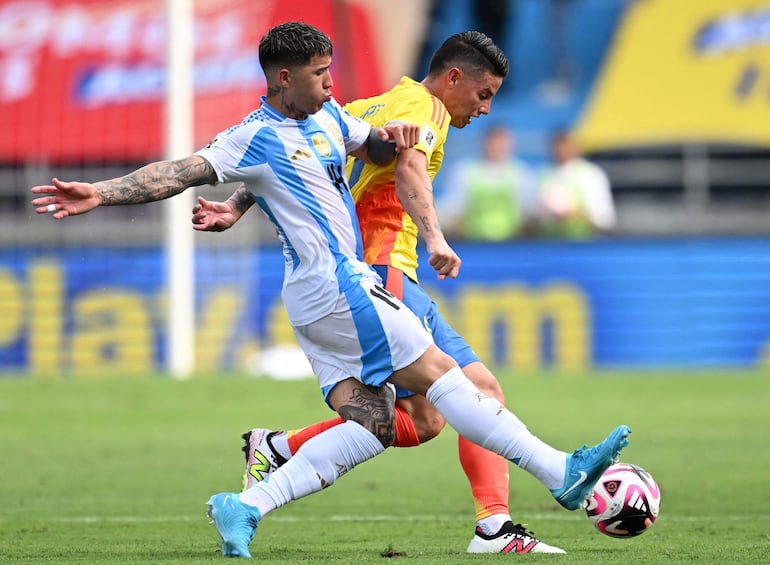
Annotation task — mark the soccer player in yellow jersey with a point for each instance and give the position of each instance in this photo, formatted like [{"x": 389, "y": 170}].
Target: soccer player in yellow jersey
[
  {"x": 390, "y": 213},
  {"x": 394, "y": 204}
]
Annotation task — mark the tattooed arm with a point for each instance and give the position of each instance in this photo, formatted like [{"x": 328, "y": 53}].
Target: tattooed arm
[
  {"x": 415, "y": 192},
  {"x": 156, "y": 181},
  {"x": 209, "y": 215},
  {"x": 386, "y": 142}
]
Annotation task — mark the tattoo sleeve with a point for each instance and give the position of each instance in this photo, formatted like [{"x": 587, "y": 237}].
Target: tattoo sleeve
[
  {"x": 380, "y": 152},
  {"x": 241, "y": 199},
  {"x": 156, "y": 181}
]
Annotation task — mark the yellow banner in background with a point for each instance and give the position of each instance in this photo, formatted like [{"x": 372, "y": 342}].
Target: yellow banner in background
[{"x": 683, "y": 71}]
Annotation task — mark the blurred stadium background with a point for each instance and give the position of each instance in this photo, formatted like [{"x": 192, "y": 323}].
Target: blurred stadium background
[{"x": 671, "y": 97}]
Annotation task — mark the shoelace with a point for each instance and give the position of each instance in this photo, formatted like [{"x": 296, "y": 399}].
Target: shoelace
[{"x": 523, "y": 531}]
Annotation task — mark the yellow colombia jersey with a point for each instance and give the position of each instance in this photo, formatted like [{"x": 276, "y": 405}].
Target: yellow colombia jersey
[{"x": 389, "y": 234}]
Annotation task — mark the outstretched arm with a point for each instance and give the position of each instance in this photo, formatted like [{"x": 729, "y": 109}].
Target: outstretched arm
[
  {"x": 210, "y": 215},
  {"x": 415, "y": 192},
  {"x": 156, "y": 181}
]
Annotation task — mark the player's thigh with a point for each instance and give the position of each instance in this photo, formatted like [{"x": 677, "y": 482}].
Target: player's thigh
[
  {"x": 420, "y": 375},
  {"x": 444, "y": 335},
  {"x": 449, "y": 341}
]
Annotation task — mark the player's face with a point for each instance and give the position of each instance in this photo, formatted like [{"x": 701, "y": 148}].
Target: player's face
[
  {"x": 470, "y": 97},
  {"x": 309, "y": 86}
]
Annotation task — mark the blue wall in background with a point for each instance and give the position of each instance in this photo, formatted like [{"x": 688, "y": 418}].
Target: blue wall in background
[
  {"x": 666, "y": 302},
  {"x": 620, "y": 303}
]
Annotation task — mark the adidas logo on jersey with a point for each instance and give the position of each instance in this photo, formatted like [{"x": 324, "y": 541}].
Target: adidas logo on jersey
[{"x": 301, "y": 154}]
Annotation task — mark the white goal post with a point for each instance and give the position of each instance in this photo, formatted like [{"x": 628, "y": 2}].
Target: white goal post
[{"x": 179, "y": 240}]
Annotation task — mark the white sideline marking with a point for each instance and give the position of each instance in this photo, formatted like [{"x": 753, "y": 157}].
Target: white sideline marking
[{"x": 382, "y": 518}]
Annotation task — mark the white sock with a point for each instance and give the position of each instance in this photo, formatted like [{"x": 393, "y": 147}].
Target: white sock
[
  {"x": 316, "y": 465},
  {"x": 492, "y": 524},
  {"x": 280, "y": 444},
  {"x": 486, "y": 422}
]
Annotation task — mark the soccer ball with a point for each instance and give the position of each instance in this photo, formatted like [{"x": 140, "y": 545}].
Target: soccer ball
[{"x": 625, "y": 501}]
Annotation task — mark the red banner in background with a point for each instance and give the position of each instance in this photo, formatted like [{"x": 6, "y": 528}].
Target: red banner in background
[{"x": 84, "y": 80}]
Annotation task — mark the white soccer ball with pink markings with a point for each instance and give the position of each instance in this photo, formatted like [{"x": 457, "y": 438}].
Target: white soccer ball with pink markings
[{"x": 625, "y": 501}]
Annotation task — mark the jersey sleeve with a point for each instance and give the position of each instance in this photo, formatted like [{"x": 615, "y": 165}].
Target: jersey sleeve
[
  {"x": 408, "y": 102},
  {"x": 235, "y": 154},
  {"x": 355, "y": 131},
  {"x": 432, "y": 117},
  {"x": 221, "y": 153}
]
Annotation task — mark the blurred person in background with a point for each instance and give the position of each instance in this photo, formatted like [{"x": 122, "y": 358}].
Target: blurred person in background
[
  {"x": 489, "y": 198},
  {"x": 575, "y": 198},
  {"x": 563, "y": 69}
]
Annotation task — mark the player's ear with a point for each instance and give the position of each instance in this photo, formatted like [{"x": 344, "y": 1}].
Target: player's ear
[
  {"x": 454, "y": 75},
  {"x": 284, "y": 77}
]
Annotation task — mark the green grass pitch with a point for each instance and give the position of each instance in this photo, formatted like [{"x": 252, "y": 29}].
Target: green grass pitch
[{"x": 118, "y": 471}]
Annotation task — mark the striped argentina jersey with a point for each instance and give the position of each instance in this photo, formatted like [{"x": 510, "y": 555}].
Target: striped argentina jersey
[
  {"x": 389, "y": 234},
  {"x": 296, "y": 172}
]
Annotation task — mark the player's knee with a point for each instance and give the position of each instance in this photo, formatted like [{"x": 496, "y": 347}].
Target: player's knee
[
  {"x": 485, "y": 381},
  {"x": 374, "y": 408},
  {"x": 387, "y": 433},
  {"x": 493, "y": 389},
  {"x": 383, "y": 427},
  {"x": 429, "y": 425}
]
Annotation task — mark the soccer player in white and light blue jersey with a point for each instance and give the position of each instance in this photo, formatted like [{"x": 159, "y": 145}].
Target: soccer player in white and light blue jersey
[{"x": 359, "y": 338}]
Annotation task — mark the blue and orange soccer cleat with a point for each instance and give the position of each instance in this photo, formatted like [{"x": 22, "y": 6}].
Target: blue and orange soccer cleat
[
  {"x": 235, "y": 522},
  {"x": 585, "y": 466}
]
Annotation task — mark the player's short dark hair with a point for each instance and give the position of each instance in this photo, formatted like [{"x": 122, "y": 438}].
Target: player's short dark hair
[
  {"x": 471, "y": 51},
  {"x": 292, "y": 44}
]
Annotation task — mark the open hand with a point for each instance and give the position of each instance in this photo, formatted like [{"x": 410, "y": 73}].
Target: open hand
[
  {"x": 64, "y": 199},
  {"x": 209, "y": 215}
]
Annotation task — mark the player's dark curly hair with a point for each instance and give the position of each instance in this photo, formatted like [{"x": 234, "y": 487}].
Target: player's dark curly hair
[
  {"x": 292, "y": 44},
  {"x": 471, "y": 51}
]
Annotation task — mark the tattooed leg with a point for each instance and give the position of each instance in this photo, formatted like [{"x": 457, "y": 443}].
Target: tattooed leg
[
  {"x": 371, "y": 407},
  {"x": 324, "y": 458}
]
